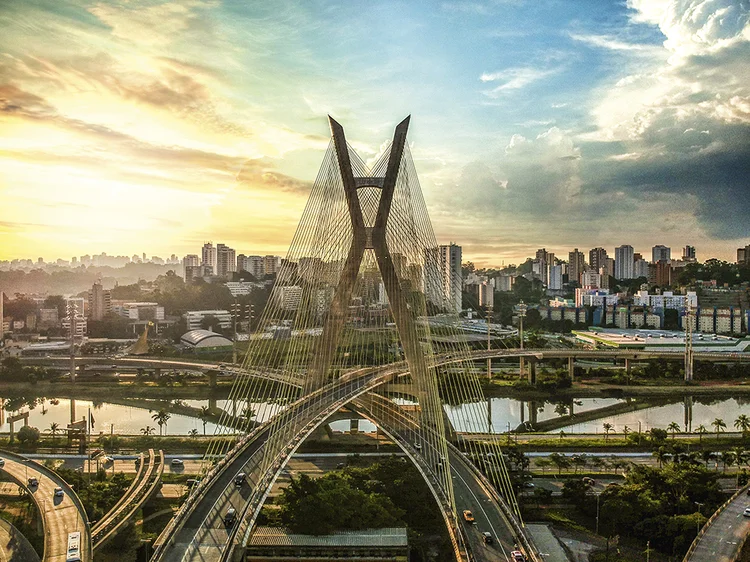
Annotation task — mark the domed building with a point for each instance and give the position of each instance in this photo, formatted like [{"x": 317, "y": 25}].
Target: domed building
[{"x": 205, "y": 341}]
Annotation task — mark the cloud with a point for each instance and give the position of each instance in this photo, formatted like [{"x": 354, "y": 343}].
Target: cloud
[
  {"x": 514, "y": 79},
  {"x": 611, "y": 43}
]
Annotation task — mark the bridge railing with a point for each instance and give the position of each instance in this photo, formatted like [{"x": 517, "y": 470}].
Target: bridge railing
[
  {"x": 710, "y": 521},
  {"x": 52, "y": 475}
]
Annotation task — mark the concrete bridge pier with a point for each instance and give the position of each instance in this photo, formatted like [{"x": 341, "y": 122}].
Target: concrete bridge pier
[
  {"x": 532, "y": 371},
  {"x": 627, "y": 368},
  {"x": 532, "y": 413},
  {"x": 353, "y": 426},
  {"x": 212, "y": 407},
  {"x": 521, "y": 368},
  {"x": 157, "y": 373},
  {"x": 571, "y": 368},
  {"x": 212, "y": 379}
]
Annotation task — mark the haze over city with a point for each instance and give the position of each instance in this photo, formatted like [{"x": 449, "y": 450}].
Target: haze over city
[{"x": 158, "y": 126}]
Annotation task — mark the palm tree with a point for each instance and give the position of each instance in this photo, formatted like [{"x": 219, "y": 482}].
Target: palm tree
[
  {"x": 148, "y": 430},
  {"x": 700, "y": 430},
  {"x": 204, "y": 415},
  {"x": 719, "y": 425},
  {"x": 193, "y": 433},
  {"x": 53, "y": 429},
  {"x": 543, "y": 464},
  {"x": 625, "y": 431},
  {"x": 743, "y": 424},
  {"x": 607, "y": 428},
  {"x": 674, "y": 427},
  {"x": 727, "y": 459},
  {"x": 161, "y": 417},
  {"x": 562, "y": 434},
  {"x": 708, "y": 456},
  {"x": 248, "y": 414}
]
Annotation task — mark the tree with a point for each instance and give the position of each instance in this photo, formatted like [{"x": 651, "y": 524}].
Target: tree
[
  {"x": 743, "y": 424},
  {"x": 204, "y": 416},
  {"x": 543, "y": 464},
  {"x": 560, "y": 461},
  {"x": 28, "y": 435},
  {"x": 674, "y": 427},
  {"x": 727, "y": 459},
  {"x": 607, "y": 428},
  {"x": 700, "y": 430},
  {"x": 193, "y": 433},
  {"x": 161, "y": 417},
  {"x": 53, "y": 429},
  {"x": 719, "y": 425},
  {"x": 148, "y": 430}
]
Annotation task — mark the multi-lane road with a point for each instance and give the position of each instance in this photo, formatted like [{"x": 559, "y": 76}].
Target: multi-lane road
[
  {"x": 61, "y": 515},
  {"x": 725, "y": 536}
]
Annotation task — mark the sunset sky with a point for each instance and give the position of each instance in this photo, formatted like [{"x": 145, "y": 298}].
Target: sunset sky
[{"x": 149, "y": 126}]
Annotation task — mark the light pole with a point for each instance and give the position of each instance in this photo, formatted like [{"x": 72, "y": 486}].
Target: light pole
[
  {"x": 521, "y": 314},
  {"x": 697, "y": 525},
  {"x": 597, "y": 513}
]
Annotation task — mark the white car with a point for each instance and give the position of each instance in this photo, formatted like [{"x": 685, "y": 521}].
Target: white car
[
  {"x": 746, "y": 513},
  {"x": 177, "y": 462},
  {"x": 59, "y": 492},
  {"x": 2, "y": 463}
]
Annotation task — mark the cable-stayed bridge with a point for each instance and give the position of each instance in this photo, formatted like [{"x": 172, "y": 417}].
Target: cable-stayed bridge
[{"x": 363, "y": 260}]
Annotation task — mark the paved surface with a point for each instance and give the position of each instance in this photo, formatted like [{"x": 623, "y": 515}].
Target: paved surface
[
  {"x": 60, "y": 515},
  {"x": 723, "y": 539},
  {"x": 13, "y": 545},
  {"x": 547, "y": 543}
]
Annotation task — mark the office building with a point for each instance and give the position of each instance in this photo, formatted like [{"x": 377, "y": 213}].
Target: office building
[
  {"x": 590, "y": 279},
  {"x": 195, "y": 317},
  {"x": 450, "y": 264},
  {"x": 663, "y": 273},
  {"x": 555, "y": 278},
  {"x": 743, "y": 254},
  {"x": 624, "y": 262},
  {"x": 226, "y": 260},
  {"x": 271, "y": 265},
  {"x": 100, "y": 303},
  {"x": 576, "y": 266},
  {"x": 640, "y": 269},
  {"x": 139, "y": 311},
  {"x": 661, "y": 253},
  {"x": 597, "y": 258},
  {"x": 688, "y": 254},
  {"x": 504, "y": 282},
  {"x": 209, "y": 257}
]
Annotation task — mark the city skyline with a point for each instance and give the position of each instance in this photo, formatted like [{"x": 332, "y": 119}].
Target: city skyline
[{"x": 183, "y": 122}]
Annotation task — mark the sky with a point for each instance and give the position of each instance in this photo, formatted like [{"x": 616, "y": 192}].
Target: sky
[{"x": 151, "y": 126}]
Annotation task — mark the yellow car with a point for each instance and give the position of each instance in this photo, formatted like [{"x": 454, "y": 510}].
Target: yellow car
[{"x": 468, "y": 516}]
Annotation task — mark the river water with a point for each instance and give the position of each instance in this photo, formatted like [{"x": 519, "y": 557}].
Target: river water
[{"x": 495, "y": 415}]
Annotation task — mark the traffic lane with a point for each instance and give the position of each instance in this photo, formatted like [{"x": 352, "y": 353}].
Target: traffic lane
[
  {"x": 723, "y": 539},
  {"x": 488, "y": 518},
  {"x": 60, "y": 515}
]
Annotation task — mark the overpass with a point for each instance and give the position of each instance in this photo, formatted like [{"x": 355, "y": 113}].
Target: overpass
[
  {"x": 722, "y": 537},
  {"x": 145, "y": 485},
  {"x": 60, "y": 515}
]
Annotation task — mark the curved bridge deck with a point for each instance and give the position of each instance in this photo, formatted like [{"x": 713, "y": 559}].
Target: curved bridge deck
[
  {"x": 60, "y": 515},
  {"x": 144, "y": 486}
]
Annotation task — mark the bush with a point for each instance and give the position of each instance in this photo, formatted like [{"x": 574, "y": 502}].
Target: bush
[{"x": 28, "y": 436}]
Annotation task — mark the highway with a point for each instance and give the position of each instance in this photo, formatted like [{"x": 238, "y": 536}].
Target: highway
[
  {"x": 724, "y": 537},
  {"x": 60, "y": 515}
]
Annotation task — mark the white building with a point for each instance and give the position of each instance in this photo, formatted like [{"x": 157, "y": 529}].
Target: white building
[
  {"x": 271, "y": 265},
  {"x": 195, "y": 317},
  {"x": 209, "y": 256},
  {"x": 450, "y": 264},
  {"x": 505, "y": 282},
  {"x": 289, "y": 296},
  {"x": 139, "y": 310},
  {"x": 590, "y": 279},
  {"x": 486, "y": 294},
  {"x": 666, "y": 300},
  {"x": 226, "y": 260},
  {"x": 240, "y": 288},
  {"x": 595, "y": 298},
  {"x": 624, "y": 262}
]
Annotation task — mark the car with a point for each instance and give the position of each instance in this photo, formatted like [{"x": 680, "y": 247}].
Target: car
[
  {"x": 108, "y": 459},
  {"x": 418, "y": 446},
  {"x": 239, "y": 480},
  {"x": 517, "y": 556},
  {"x": 487, "y": 538},
  {"x": 33, "y": 482},
  {"x": 468, "y": 516},
  {"x": 341, "y": 465},
  {"x": 231, "y": 517},
  {"x": 177, "y": 462},
  {"x": 587, "y": 480},
  {"x": 59, "y": 492},
  {"x": 2, "y": 463},
  {"x": 528, "y": 484},
  {"x": 190, "y": 482},
  {"x": 746, "y": 513}
]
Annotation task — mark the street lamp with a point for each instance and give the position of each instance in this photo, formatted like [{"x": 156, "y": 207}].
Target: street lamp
[
  {"x": 697, "y": 525},
  {"x": 597, "y": 512}
]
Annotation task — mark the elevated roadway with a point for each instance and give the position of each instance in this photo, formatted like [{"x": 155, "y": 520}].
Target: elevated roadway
[
  {"x": 144, "y": 486},
  {"x": 60, "y": 515},
  {"x": 724, "y": 534}
]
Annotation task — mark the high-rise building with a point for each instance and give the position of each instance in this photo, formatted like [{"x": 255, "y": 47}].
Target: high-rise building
[
  {"x": 271, "y": 265},
  {"x": 100, "y": 302},
  {"x": 597, "y": 257},
  {"x": 743, "y": 254},
  {"x": 191, "y": 260},
  {"x": 555, "y": 278},
  {"x": 450, "y": 263},
  {"x": 591, "y": 279},
  {"x": 640, "y": 269},
  {"x": 576, "y": 266},
  {"x": 688, "y": 254},
  {"x": 624, "y": 262},
  {"x": 663, "y": 273},
  {"x": 209, "y": 257},
  {"x": 661, "y": 253},
  {"x": 226, "y": 260}
]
